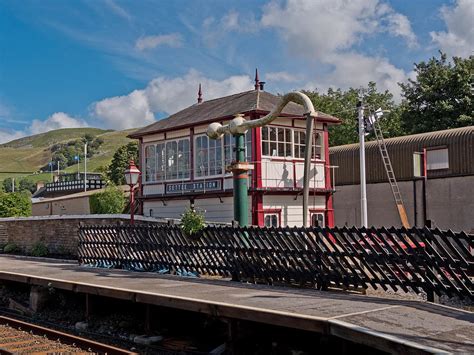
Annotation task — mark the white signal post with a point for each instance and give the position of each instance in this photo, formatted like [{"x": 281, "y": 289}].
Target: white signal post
[
  {"x": 85, "y": 166},
  {"x": 363, "y": 188}
]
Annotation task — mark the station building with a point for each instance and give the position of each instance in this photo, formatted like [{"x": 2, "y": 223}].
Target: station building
[{"x": 182, "y": 166}]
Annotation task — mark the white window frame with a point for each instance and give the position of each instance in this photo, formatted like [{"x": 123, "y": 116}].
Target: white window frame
[
  {"x": 315, "y": 213},
  {"x": 165, "y": 162},
  {"x": 271, "y": 214},
  {"x": 196, "y": 177},
  {"x": 441, "y": 153},
  {"x": 295, "y": 146}
]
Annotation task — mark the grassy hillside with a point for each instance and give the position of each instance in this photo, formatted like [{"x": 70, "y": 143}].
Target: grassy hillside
[{"x": 25, "y": 156}]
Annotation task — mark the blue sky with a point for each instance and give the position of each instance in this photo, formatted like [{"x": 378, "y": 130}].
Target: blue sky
[{"x": 120, "y": 64}]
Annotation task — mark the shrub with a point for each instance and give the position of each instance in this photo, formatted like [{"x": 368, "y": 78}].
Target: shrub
[
  {"x": 192, "y": 222},
  {"x": 15, "y": 204},
  {"x": 11, "y": 248},
  {"x": 39, "y": 249},
  {"x": 112, "y": 200}
]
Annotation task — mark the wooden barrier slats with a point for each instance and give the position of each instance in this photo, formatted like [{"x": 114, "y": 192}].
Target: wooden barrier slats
[{"x": 418, "y": 259}]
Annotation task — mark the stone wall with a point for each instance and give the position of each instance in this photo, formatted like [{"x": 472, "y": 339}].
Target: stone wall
[{"x": 58, "y": 233}]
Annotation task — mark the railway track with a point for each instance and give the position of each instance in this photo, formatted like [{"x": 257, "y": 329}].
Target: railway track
[{"x": 18, "y": 337}]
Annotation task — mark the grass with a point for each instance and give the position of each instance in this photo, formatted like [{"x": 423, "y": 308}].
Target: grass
[{"x": 25, "y": 156}]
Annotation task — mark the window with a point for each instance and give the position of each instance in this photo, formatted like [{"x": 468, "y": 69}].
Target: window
[
  {"x": 437, "y": 159},
  {"x": 168, "y": 160},
  {"x": 208, "y": 156},
  {"x": 317, "y": 219},
  {"x": 277, "y": 141},
  {"x": 271, "y": 220},
  {"x": 229, "y": 148},
  {"x": 300, "y": 145},
  {"x": 150, "y": 163}
]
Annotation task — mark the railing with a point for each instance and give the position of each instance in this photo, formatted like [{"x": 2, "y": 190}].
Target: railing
[
  {"x": 74, "y": 185},
  {"x": 419, "y": 260}
]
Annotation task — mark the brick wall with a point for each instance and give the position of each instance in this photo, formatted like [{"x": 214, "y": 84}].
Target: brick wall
[{"x": 58, "y": 233}]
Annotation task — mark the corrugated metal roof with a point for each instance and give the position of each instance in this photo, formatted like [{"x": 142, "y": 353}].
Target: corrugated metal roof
[
  {"x": 226, "y": 106},
  {"x": 459, "y": 141}
]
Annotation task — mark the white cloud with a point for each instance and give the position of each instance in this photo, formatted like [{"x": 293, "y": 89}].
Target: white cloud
[
  {"x": 459, "y": 38},
  {"x": 57, "y": 120},
  {"x": 7, "y": 135},
  {"x": 213, "y": 30},
  {"x": 282, "y": 76},
  {"x": 354, "y": 70},
  {"x": 399, "y": 25},
  {"x": 151, "y": 42},
  {"x": 119, "y": 11},
  {"x": 164, "y": 94},
  {"x": 121, "y": 112},
  {"x": 336, "y": 27}
]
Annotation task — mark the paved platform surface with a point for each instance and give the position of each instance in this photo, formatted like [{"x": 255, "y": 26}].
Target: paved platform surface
[{"x": 391, "y": 325}]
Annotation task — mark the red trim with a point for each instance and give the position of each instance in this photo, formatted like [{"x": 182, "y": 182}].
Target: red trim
[
  {"x": 329, "y": 206},
  {"x": 191, "y": 152},
  {"x": 257, "y": 197},
  {"x": 271, "y": 211},
  {"x": 425, "y": 166}
]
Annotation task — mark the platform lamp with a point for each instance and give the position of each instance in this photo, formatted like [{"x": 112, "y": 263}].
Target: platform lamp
[{"x": 132, "y": 175}]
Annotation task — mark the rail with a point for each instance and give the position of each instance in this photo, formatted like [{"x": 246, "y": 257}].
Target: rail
[{"x": 419, "y": 260}]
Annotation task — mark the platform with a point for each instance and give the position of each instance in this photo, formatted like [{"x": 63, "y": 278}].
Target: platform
[{"x": 390, "y": 325}]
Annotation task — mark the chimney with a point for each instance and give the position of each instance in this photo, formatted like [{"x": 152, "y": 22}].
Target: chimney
[
  {"x": 262, "y": 83},
  {"x": 257, "y": 81},
  {"x": 199, "y": 94}
]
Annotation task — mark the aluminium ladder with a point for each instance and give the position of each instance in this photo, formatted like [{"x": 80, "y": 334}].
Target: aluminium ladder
[{"x": 390, "y": 174}]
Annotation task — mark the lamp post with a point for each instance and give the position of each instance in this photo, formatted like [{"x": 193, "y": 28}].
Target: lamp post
[{"x": 131, "y": 177}]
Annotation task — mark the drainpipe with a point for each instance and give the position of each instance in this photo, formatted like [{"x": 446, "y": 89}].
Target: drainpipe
[{"x": 238, "y": 126}]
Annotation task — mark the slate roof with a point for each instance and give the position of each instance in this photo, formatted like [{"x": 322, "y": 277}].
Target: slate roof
[{"x": 224, "y": 107}]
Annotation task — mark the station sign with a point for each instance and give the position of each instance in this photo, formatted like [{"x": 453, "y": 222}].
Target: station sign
[{"x": 198, "y": 186}]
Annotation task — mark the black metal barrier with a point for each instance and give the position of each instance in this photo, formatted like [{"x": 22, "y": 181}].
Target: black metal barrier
[{"x": 419, "y": 260}]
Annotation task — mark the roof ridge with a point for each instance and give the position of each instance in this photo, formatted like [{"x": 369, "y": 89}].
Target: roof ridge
[{"x": 257, "y": 105}]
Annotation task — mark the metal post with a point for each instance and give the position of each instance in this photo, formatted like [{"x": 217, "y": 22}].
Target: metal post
[
  {"x": 240, "y": 183},
  {"x": 363, "y": 191},
  {"x": 307, "y": 166},
  {"x": 13, "y": 184},
  {"x": 85, "y": 166},
  {"x": 132, "y": 205}
]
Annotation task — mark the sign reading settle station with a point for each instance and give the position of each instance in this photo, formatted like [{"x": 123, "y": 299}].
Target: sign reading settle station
[{"x": 199, "y": 186}]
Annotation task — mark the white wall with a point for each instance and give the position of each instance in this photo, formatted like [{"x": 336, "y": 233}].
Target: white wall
[
  {"x": 291, "y": 210},
  {"x": 214, "y": 210},
  {"x": 282, "y": 174}
]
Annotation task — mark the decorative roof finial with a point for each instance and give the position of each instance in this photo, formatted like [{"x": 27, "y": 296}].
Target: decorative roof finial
[
  {"x": 257, "y": 81},
  {"x": 199, "y": 94}
]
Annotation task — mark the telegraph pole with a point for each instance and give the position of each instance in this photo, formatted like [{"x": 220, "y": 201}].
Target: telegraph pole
[{"x": 363, "y": 191}]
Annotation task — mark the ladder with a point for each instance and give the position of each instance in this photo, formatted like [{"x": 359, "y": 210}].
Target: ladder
[{"x": 390, "y": 174}]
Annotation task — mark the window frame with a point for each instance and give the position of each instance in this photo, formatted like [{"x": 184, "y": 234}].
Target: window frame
[
  {"x": 313, "y": 212},
  {"x": 438, "y": 148},
  {"x": 294, "y": 144},
  {"x": 272, "y": 212},
  {"x": 164, "y": 161}
]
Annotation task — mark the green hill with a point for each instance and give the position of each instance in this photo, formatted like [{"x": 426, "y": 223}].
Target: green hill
[{"x": 25, "y": 156}]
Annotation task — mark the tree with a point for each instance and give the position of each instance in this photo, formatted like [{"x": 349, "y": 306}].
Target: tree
[
  {"x": 112, "y": 200},
  {"x": 15, "y": 204},
  {"x": 26, "y": 185},
  {"x": 120, "y": 162},
  {"x": 440, "y": 97},
  {"x": 343, "y": 104},
  {"x": 8, "y": 184}
]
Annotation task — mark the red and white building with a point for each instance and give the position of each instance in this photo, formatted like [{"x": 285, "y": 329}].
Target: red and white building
[{"x": 180, "y": 165}]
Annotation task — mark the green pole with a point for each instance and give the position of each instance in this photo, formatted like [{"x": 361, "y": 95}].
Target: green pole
[{"x": 240, "y": 183}]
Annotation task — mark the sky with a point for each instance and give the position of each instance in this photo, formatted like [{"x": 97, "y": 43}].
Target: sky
[{"x": 120, "y": 64}]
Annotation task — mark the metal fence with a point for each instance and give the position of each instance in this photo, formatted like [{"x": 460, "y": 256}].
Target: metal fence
[{"x": 419, "y": 260}]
